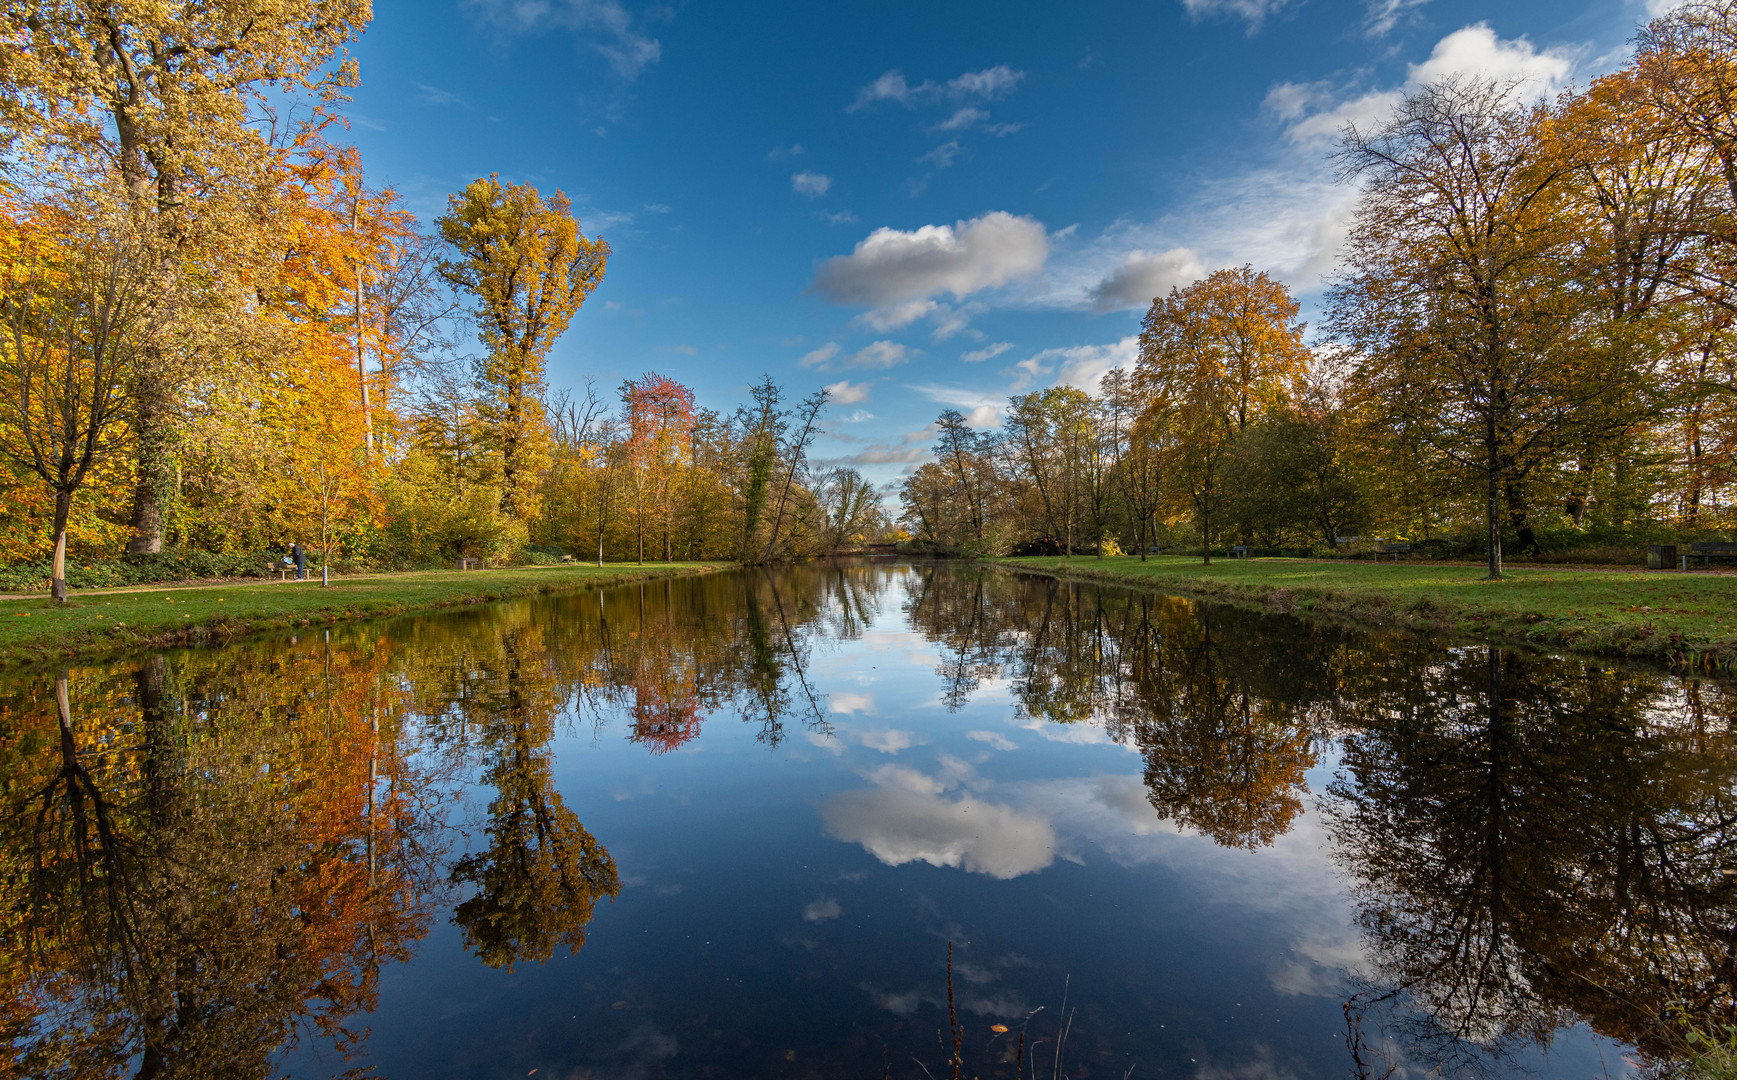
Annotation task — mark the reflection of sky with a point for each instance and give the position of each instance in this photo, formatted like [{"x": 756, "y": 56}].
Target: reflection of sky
[{"x": 788, "y": 912}]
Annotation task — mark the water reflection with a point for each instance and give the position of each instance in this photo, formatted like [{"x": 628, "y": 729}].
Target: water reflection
[{"x": 212, "y": 855}]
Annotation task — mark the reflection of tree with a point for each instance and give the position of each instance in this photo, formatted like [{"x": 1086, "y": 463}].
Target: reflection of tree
[
  {"x": 537, "y": 882},
  {"x": 1532, "y": 840},
  {"x": 174, "y": 909},
  {"x": 1225, "y": 721},
  {"x": 1220, "y": 758}
]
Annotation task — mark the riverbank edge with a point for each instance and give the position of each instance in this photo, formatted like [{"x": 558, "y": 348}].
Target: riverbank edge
[
  {"x": 1655, "y": 642},
  {"x": 346, "y": 600}
]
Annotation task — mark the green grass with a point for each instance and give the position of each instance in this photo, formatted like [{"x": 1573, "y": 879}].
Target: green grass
[
  {"x": 1688, "y": 620},
  {"x": 36, "y": 630}
]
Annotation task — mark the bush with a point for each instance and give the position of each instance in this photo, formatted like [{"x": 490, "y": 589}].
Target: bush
[
  {"x": 131, "y": 569},
  {"x": 545, "y": 554}
]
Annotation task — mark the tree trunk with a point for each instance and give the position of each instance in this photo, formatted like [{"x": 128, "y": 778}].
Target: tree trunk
[
  {"x": 154, "y": 476},
  {"x": 62, "y": 508},
  {"x": 1494, "y": 516}
]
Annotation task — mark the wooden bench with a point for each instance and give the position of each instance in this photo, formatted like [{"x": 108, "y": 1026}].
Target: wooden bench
[
  {"x": 1395, "y": 550},
  {"x": 1241, "y": 551},
  {"x": 472, "y": 564},
  {"x": 1708, "y": 551}
]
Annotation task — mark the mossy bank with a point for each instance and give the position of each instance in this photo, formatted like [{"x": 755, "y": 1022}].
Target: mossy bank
[
  {"x": 37, "y": 631},
  {"x": 1685, "y": 620}
]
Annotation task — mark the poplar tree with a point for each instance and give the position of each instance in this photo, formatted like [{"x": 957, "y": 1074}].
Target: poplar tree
[{"x": 527, "y": 269}]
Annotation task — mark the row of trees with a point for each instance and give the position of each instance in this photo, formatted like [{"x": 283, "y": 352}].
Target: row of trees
[
  {"x": 1529, "y": 341},
  {"x": 218, "y": 336}
]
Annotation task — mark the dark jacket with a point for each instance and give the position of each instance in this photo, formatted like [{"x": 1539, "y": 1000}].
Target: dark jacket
[{"x": 298, "y": 556}]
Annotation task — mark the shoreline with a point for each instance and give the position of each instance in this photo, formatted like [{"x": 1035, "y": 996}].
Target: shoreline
[
  {"x": 36, "y": 631},
  {"x": 1685, "y": 621}
]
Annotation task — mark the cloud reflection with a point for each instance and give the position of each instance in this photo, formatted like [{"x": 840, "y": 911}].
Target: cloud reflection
[{"x": 898, "y": 825}]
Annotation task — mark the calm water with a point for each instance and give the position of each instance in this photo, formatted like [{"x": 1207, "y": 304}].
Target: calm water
[{"x": 727, "y": 827}]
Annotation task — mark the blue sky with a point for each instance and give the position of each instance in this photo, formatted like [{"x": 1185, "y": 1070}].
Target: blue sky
[{"x": 922, "y": 205}]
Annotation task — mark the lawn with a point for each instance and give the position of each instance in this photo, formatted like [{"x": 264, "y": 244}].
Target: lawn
[
  {"x": 1685, "y": 619},
  {"x": 36, "y": 630}
]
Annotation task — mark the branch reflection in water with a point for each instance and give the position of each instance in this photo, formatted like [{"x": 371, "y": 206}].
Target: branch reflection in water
[{"x": 213, "y": 854}]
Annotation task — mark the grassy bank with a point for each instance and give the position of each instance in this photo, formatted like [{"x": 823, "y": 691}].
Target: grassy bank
[
  {"x": 1687, "y": 620},
  {"x": 36, "y": 630}
]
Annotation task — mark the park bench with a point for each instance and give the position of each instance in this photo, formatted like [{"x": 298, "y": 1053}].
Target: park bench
[
  {"x": 1708, "y": 551},
  {"x": 472, "y": 564},
  {"x": 1395, "y": 550},
  {"x": 1240, "y": 551}
]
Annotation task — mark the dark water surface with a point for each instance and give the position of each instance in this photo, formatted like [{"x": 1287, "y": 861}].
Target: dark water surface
[{"x": 727, "y": 827}]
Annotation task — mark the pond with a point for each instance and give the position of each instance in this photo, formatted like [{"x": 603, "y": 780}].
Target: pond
[{"x": 732, "y": 825}]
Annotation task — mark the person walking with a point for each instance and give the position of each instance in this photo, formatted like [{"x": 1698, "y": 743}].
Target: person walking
[{"x": 300, "y": 558}]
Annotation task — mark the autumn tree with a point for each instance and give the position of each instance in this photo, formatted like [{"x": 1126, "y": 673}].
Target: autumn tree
[
  {"x": 1214, "y": 357},
  {"x": 1459, "y": 289},
  {"x": 75, "y": 307},
  {"x": 526, "y": 269},
  {"x": 166, "y": 99}
]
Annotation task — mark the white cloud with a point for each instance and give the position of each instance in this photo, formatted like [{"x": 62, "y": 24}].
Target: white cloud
[
  {"x": 995, "y": 740},
  {"x": 434, "y": 95},
  {"x": 901, "y": 776},
  {"x": 821, "y": 910},
  {"x": 1475, "y": 51},
  {"x": 850, "y": 704},
  {"x": 943, "y": 156},
  {"x": 889, "y": 741},
  {"x": 855, "y": 416},
  {"x": 811, "y": 184},
  {"x": 962, "y": 119},
  {"x": 897, "y": 825},
  {"x": 1079, "y": 366},
  {"x": 845, "y": 392},
  {"x": 988, "y": 352},
  {"x": 985, "y": 85},
  {"x": 1253, "y": 12},
  {"x": 876, "y": 354},
  {"x": 893, "y": 266},
  {"x": 896, "y": 316},
  {"x": 880, "y": 354},
  {"x": 982, "y": 410},
  {"x": 1381, "y": 16},
  {"x": 606, "y": 26},
  {"x": 785, "y": 153},
  {"x": 1143, "y": 276},
  {"x": 841, "y": 217},
  {"x": 819, "y": 357}
]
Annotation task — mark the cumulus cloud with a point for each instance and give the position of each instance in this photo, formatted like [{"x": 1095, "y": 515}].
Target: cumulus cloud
[
  {"x": 1476, "y": 51},
  {"x": 818, "y": 357},
  {"x": 893, "y": 267},
  {"x": 898, "y": 825},
  {"x": 604, "y": 25},
  {"x": 995, "y": 740},
  {"x": 1080, "y": 366},
  {"x": 985, "y": 85},
  {"x": 811, "y": 184},
  {"x": 821, "y": 910},
  {"x": 1143, "y": 276},
  {"x": 845, "y": 392}
]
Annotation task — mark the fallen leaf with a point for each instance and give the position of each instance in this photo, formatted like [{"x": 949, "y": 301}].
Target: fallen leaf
[{"x": 999, "y": 1029}]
